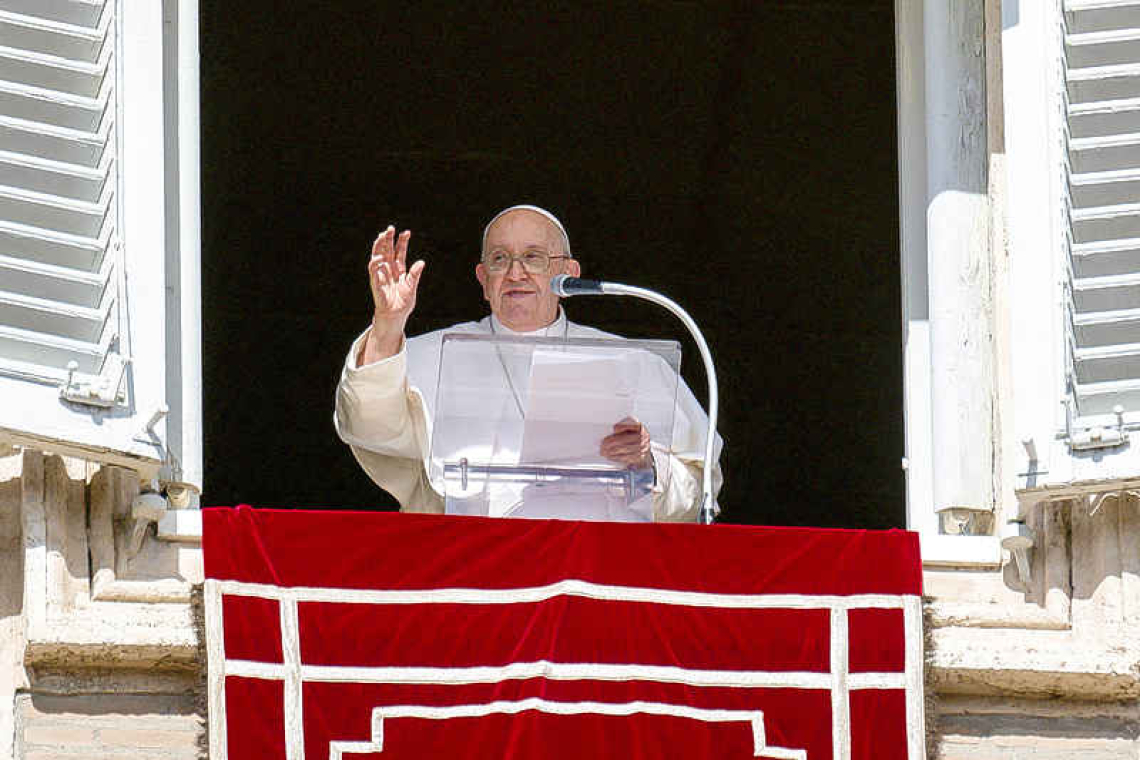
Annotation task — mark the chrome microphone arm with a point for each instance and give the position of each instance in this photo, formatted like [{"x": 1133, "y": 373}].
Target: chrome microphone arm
[{"x": 564, "y": 285}]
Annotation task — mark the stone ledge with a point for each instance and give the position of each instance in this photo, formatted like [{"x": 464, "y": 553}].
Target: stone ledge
[
  {"x": 172, "y": 655},
  {"x": 76, "y": 645},
  {"x": 986, "y": 615},
  {"x": 1033, "y": 663},
  {"x": 1034, "y": 683}
]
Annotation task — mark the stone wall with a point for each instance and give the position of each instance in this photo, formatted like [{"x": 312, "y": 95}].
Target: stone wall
[
  {"x": 99, "y": 720},
  {"x": 989, "y": 728},
  {"x": 99, "y": 650},
  {"x": 1052, "y": 669},
  {"x": 98, "y": 646}
]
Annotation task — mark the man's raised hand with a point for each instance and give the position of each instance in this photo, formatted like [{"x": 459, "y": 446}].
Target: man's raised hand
[
  {"x": 393, "y": 284},
  {"x": 394, "y": 288}
]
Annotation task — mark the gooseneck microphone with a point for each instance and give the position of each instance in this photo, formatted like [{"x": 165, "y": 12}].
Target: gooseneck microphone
[{"x": 565, "y": 286}]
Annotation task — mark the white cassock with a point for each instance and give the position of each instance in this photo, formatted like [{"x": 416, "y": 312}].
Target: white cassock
[{"x": 384, "y": 412}]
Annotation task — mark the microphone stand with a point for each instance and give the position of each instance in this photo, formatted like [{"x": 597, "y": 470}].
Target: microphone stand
[{"x": 565, "y": 286}]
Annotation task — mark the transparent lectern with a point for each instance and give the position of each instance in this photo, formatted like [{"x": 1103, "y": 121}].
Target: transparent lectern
[{"x": 519, "y": 422}]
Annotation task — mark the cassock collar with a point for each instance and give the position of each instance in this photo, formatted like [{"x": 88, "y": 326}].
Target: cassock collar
[{"x": 557, "y": 327}]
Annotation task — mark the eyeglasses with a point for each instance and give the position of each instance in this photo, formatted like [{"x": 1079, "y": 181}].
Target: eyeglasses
[{"x": 534, "y": 262}]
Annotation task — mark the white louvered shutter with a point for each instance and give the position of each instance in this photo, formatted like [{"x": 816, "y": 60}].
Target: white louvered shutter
[
  {"x": 90, "y": 257},
  {"x": 1102, "y": 70},
  {"x": 58, "y": 258}
]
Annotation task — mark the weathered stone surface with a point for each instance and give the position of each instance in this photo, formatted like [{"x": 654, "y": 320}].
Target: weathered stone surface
[
  {"x": 100, "y": 658},
  {"x": 1051, "y": 672},
  {"x": 98, "y": 644},
  {"x": 108, "y": 725},
  {"x": 973, "y": 727}
]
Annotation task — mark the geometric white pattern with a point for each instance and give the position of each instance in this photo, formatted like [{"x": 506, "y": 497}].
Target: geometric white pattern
[
  {"x": 754, "y": 717},
  {"x": 293, "y": 673}
]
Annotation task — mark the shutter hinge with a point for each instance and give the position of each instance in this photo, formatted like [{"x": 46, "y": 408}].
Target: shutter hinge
[
  {"x": 1096, "y": 437},
  {"x": 101, "y": 390}
]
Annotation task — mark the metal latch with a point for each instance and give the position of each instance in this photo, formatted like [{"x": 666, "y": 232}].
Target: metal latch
[
  {"x": 1097, "y": 437},
  {"x": 101, "y": 390}
]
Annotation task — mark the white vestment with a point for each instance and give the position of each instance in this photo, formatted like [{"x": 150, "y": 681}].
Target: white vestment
[{"x": 384, "y": 412}]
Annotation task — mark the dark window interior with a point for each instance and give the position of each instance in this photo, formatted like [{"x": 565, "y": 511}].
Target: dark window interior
[{"x": 739, "y": 157}]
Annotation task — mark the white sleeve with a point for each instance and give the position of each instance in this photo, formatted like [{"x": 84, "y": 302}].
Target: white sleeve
[{"x": 382, "y": 419}]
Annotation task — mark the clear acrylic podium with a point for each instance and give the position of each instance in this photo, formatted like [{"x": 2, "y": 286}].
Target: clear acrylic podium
[{"x": 519, "y": 421}]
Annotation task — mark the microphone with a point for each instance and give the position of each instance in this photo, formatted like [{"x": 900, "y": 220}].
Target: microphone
[{"x": 564, "y": 285}]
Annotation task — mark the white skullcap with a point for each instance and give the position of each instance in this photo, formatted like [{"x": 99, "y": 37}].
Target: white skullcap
[{"x": 541, "y": 212}]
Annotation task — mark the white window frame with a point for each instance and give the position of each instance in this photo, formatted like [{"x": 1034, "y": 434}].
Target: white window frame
[
  {"x": 1036, "y": 463},
  {"x": 158, "y": 201},
  {"x": 937, "y": 548}
]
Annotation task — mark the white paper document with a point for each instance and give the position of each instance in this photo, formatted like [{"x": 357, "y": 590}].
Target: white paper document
[{"x": 573, "y": 401}]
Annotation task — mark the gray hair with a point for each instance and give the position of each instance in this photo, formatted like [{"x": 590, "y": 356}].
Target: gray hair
[{"x": 541, "y": 212}]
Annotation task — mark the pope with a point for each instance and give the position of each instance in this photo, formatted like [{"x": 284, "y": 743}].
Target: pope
[{"x": 387, "y": 385}]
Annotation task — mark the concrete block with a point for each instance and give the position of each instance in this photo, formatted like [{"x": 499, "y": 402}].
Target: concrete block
[
  {"x": 137, "y": 738},
  {"x": 59, "y": 733}
]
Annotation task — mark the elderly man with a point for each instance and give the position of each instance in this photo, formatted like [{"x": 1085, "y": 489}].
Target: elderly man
[{"x": 387, "y": 385}]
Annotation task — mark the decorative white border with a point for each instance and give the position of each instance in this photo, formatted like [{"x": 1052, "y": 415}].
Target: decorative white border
[
  {"x": 562, "y": 671},
  {"x": 568, "y": 587},
  {"x": 754, "y": 717},
  {"x": 840, "y": 692},
  {"x": 291, "y": 654},
  {"x": 293, "y": 673}
]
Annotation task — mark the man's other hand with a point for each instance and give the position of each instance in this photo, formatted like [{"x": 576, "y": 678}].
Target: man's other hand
[{"x": 628, "y": 445}]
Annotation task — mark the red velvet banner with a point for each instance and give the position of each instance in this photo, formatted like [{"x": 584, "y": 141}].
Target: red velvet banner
[{"x": 360, "y": 635}]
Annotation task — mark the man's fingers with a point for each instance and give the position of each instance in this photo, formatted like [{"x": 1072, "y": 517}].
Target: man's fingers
[
  {"x": 402, "y": 246},
  {"x": 414, "y": 274},
  {"x": 383, "y": 244},
  {"x": 628, "y": 444},
  {"x": 621, "y": 443},
  {"x": 378, "y": 243}
]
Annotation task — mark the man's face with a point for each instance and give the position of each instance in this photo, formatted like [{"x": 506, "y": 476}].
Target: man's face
[{"x": 520, "y": 299}]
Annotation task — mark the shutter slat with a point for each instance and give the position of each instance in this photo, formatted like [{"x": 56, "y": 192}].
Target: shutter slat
[
  {"x": 51, "y": 72},
  {"x": 52, "y": 143},
  {"x": 34, "y": 353},
  {"x": 44, "y": 281},
  {"x": 53, "y": 317},
  {"x": 1106, "y": 328},
  {"x": 1106, "y": 223},
  {"x": 58, "y": 261},
  {"x": 1115, "y": 47},
  {"x": 39, "y": 35},
  {"x": 1099, "y": 83},
  {"x": 58, "y": 213},
  {"x": 1107, "y": 153},
  {"x": 74, "y": 12},
  {"x": 1103, "y": 118},
  {"x": 39, "y": 105},
  {"x": 1090, "y": 16},
  {"x": 1109, "y": 188},
  {"x": 1101, "y": 398},
  {"x": 51, "y": 246},
  {"x": 1106, "y": 258},
  {"x": 52, "y": 177}
]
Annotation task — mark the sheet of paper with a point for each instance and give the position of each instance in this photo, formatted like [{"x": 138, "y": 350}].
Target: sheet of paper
[{"x": 573, "y": 401}]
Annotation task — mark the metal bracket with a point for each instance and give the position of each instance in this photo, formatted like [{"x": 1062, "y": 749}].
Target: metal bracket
[
  {"x": 1095, "y": 437},
  {"x": 101, "y": 390},
  {"x": 148, "y": 433},
  {"x": 1018, "y": 539},
  {"x": 148, "y": 507}
]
